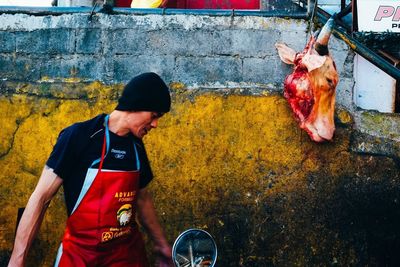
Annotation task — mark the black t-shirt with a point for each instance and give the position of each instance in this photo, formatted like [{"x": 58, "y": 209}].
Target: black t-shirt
[{"x": 80, "y": 144}]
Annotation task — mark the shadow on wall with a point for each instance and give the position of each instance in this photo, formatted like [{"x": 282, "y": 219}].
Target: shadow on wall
[
  {"x": 366, "y": 213},
  {"x": 356, "y": 223},
  {"x": 4, "y": 257}
]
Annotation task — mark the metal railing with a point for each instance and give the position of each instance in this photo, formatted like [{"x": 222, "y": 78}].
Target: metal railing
[{"x": 372, "y": 56}]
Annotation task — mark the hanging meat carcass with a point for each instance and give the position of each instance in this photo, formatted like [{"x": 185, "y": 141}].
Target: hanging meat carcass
[{"x": 310, "y": 89}]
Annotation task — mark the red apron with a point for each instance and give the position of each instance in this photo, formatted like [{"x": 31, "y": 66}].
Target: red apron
[{"x": 101, "y": 231}]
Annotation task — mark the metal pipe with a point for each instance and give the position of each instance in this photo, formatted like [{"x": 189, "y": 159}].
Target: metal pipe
[
  {"x": 342, "y": 5},
  {"x": 237, "y": 12},
  {"x": 362, "y": 50},
  {"x": 45, "y": 11},
  {"x": 337, "y": 21},
  {"x": 310, "y": 7}
]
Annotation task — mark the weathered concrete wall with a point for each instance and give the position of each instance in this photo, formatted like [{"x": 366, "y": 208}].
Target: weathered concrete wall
[
  {"x": 199, "y": 51},
  {"x": 228, "y": 158}
]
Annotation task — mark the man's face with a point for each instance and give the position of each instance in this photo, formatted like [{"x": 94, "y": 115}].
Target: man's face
[{"x": 141, "y": 122}]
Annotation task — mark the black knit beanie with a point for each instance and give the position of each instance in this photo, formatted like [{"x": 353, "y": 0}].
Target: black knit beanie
[{"x": 145, "y": 92}]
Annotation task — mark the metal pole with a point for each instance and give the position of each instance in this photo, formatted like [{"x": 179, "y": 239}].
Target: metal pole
[
  {"x": 44, "y": 11},
  {"x": 309, "y": 8},
  {"x": 342, "y": 5}
]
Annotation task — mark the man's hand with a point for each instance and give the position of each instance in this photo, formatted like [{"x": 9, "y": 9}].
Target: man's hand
[
  {"x": 16, "y": 262},
  {"x": 148, "y": 218}
]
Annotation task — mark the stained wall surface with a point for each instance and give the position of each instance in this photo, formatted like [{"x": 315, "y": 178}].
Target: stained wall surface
[{"x": 229, "y": 158}]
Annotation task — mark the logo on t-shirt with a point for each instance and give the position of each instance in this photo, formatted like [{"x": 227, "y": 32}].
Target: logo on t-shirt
[{"x": 118, "y": 154}]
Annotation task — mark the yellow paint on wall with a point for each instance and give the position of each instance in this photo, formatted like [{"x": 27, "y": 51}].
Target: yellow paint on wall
[{"x": 210, "y": 152}]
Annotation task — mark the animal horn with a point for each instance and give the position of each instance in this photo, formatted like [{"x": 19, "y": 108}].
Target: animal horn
[{"x": 321, "y": 45}]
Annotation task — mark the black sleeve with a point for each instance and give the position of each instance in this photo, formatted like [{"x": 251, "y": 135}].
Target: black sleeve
[
  {"x": 63, "y": 156},
  {"x": 146, "y": 175}
]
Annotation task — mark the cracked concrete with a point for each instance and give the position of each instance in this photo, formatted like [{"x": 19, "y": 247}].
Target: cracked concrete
[{"x": 18, "y": 123}]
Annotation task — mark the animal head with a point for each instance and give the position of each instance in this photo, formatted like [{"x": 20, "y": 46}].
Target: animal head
[{"x": 310, "y": 89}]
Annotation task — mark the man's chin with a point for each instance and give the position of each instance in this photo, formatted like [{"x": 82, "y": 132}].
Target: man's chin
[
  {"x": 138, "y": 135},
  {"x": 141, "y": 134}
]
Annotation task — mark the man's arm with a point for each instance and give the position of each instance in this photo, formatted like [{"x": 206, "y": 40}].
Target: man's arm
[
  {"x": 148, "y": 218},
  {"x": 47, "y": 187}
]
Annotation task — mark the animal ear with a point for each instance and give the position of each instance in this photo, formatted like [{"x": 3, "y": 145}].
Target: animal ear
[
  {"x": 313, "y": 61},
  {"x": 286, "y": 53}
]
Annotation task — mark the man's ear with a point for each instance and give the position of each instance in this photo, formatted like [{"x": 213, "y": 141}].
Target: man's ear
[{"x": 286, "y": 53}]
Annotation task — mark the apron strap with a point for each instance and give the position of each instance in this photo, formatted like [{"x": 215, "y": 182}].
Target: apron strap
[
  {"x": 137, "y": 157},
  {"x": 103, "y": 153},
  {"x": 106, "y": 148},
  {"x": 106, "y": 144}
]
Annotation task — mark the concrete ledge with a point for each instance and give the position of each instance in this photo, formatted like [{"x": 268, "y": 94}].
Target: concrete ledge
[{"x": 376, "y": 133}]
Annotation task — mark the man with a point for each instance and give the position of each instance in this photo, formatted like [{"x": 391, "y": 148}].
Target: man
[{"x": 103, "y": 167}]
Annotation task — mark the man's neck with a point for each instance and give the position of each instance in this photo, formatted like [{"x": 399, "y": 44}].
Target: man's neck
[{"x": 116, "y": 123}]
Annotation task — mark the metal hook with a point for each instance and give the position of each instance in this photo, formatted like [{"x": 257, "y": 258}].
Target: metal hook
[
  {"x": 311, "y": 21},
  {"x": 92, "y": 12}
]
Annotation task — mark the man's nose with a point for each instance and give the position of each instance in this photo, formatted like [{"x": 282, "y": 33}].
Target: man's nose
[{"x": 154, "y": 123}]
